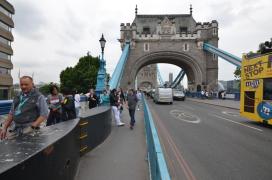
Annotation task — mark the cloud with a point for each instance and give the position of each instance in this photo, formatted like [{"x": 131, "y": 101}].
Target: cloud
[
  {"x": 28, "y": 64},
  {"x": 66, "y": 53},
  {"x": 51, "y": 35},
  {"x": 29, "y": 21},
  {"x": 228, "y": 13},
  {"x": 223, "y": 13},
  {"x": 72, "y": 27}
]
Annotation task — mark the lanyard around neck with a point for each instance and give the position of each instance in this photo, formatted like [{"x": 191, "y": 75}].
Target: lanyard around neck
[{"x": 21, "y": 104}]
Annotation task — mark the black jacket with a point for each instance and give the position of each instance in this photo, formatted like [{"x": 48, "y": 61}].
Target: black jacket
[
  {"x": 68, "y": 108},
  {"x": 93, "y": 102},
  {"x": 113, "y": 100}
]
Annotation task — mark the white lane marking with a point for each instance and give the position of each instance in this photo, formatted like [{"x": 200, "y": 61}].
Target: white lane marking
[
  {"x": 230, "y": 113},
  {"x": 195, "y": 121},
  {"x": 180, "y": 115},
  {"x": 238, "y": 123}
]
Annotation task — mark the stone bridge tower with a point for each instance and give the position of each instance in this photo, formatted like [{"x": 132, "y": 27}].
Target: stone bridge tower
[{"x": 175, "y": 39}]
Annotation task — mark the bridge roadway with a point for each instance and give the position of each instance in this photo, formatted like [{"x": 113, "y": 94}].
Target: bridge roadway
[{"x": 208, "y": 142}]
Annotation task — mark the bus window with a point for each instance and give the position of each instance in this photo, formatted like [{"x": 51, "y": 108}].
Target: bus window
[
  {"x": 249, "y": 101},
  {"x": 267, "y": 89}
]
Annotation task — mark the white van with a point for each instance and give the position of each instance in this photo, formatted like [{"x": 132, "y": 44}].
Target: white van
[{"x": 163, "y": 95}]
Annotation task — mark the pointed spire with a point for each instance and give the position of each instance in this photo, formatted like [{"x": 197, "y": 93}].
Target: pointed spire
[
  {"x": 136, "y": 10},
  {"x": 191, "y": 9}
]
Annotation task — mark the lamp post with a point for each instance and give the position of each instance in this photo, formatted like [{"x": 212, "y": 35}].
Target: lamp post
[
  {"x": 102, "y": 44},
  {"x": 101, "y": 76}
]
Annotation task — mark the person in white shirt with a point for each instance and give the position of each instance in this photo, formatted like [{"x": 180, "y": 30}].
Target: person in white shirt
[
  {"x": 77, "y": 103},
  {"x": 202, "y": 94},
  {"x": 139, "y": 97},
  {"x": 207, "y": 94}
]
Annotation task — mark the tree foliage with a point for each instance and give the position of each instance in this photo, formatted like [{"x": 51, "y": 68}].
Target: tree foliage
[
  {"x": 82, "y": 76},
  {"x": 237, "y": 73},
  {"x": 45, "y": 89}
]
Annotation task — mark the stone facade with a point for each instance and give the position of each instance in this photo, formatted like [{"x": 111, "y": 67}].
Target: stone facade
[
  {"x": 6, "y": 37},
  {"x": 175, "y": 39},
  {"x": 147, "y": 77}
]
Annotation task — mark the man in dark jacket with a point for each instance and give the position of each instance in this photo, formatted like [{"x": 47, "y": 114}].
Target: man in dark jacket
[
  {"x": 132, "y": 103},
  {"x": 28, "y": 111}
]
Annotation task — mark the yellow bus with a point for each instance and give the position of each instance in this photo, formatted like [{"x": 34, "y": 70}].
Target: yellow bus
[{"x": 256, "y": 87}]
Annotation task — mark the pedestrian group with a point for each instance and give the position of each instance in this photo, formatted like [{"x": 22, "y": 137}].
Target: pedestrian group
[{"x": 30, "y": 108}]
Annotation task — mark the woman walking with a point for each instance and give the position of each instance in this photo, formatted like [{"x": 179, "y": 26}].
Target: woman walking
[
  {"x": 115, "y": 107},
  {"x": 122, "y": 100},
  {"x": 54, "y": 101}
]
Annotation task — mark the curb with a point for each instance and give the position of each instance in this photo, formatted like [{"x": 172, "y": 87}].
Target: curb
[{"x": 190, "y": 99}]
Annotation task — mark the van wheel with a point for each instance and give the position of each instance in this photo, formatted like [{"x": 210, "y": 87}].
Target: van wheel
[{"x": 171, "y": 102}]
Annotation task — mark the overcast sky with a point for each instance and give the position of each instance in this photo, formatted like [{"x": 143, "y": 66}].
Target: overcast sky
[{"x": 52, "y": 34}]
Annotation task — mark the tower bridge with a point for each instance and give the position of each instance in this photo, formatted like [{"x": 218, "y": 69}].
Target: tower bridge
[
  {"x": 170, "y": 38},
  {"x": 193, "y": 136}
]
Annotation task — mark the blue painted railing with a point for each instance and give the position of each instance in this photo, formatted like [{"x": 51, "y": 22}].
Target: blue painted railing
[
  {"x": 178, "y": 79},
  {"x": 5, "y": 106},
  {"x": 223, "y": 54},
  {"x": 157, "y": 164},
  {"x": 118, "y": 71}
]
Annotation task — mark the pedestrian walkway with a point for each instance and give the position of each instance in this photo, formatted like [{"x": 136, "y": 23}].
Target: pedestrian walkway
[
  {"x": 218, "y": 102},
  {"x": 121, "y": 156}
]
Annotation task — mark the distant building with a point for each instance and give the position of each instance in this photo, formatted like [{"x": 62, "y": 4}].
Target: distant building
[
  {"x": 231, "y": 86},
  {"x": 6, "y": 37}
]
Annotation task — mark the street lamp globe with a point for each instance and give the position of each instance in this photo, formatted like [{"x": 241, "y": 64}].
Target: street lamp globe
[{"x": 102, "y": 43}]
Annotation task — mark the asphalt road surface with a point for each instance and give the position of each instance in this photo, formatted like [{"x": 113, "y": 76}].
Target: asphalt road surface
[{"x": 206, "y": 142}]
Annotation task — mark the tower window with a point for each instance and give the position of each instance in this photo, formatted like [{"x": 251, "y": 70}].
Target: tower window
[
  {"x": 214, "y": 57},
  {"x": 186, "y": 47},
  {"x": 183, "y": 29},
  {"x": 146, "y": 47},
  {"x": 214, "y": 31},
  {"x": 146, "y": 30}
]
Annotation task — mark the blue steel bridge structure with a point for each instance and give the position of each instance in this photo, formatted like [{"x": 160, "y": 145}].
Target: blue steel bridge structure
[{"x": 234, "y": 60}]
